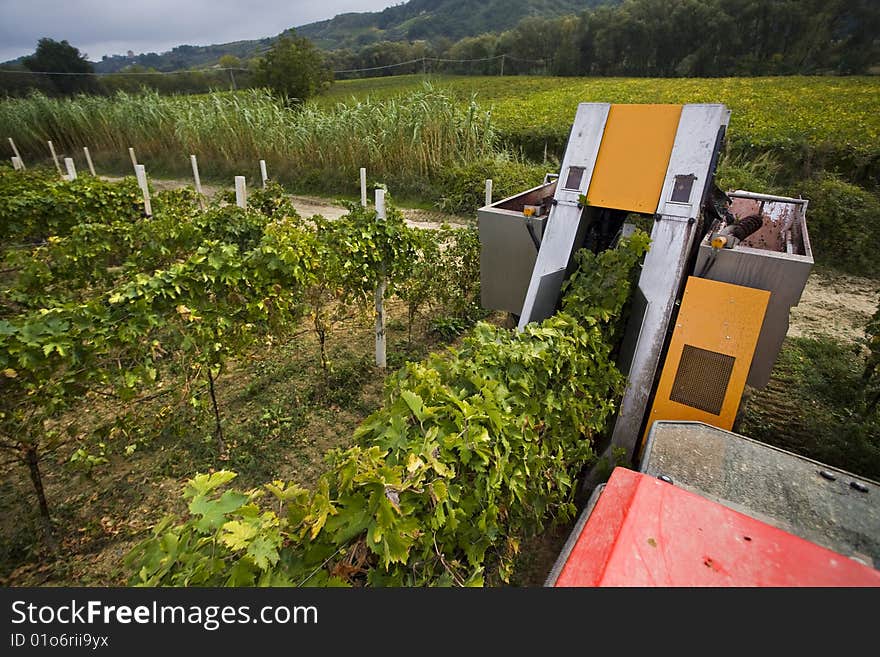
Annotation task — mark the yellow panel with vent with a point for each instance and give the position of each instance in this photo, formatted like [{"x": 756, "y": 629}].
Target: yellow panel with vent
[
  {"x": 710, "y": 353},
  {"x": 633, "y": 157}
]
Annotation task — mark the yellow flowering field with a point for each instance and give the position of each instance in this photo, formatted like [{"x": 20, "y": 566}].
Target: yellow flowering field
[{"x": 831, "y": 114}]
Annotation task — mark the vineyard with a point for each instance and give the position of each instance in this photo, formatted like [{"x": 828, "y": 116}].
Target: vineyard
[
  {"x": 227, "y": 351},
  {"x": 120, "y": 331},
  {"x": 104, "y": 307}
]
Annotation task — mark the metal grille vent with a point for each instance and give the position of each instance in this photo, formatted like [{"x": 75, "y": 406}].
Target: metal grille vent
[{"x": 702, "y": 379}]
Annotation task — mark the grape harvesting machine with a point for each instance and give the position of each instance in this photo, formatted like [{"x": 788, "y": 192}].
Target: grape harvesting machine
[{"x": 697, "y": 504}]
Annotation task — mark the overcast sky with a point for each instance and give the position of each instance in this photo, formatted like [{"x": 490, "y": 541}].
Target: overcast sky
[{"x": 112, "y": 27}]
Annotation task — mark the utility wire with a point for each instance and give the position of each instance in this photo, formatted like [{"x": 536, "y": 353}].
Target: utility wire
[
  {"x": 194, "y": 70},
  {"x": 377, "y": 68},
  {"x": 421, "y": 60}
]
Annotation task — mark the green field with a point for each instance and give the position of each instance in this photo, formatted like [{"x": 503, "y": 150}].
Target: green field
[
  {"x": 812, "y": 122},
  {"x": 790, "y": 115},
  {"x": 845, "y": 110}
]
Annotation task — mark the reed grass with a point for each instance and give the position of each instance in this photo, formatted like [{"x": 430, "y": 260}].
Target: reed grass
[{"x": 406, "y": 140}]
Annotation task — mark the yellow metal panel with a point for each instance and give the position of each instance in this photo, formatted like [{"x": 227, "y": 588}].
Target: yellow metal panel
[
  {"x": 717, "y": 321},
  {"x": 633, "y": 157}
]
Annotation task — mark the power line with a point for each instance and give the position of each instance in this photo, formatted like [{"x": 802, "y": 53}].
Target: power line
[
  {"x": 421, "y": 60},
  {"x": 129, "y": 73},
  {"x": 462, "y": 61},
  {"x": 527, "y": 61},
  {"x": 378, "y": 68}
]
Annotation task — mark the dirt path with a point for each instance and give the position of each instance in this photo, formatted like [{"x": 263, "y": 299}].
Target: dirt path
[
  {"x": 835, "y": 305},
  {"x": 308, "y": 206}
]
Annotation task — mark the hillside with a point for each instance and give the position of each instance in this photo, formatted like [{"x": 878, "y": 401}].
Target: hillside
[
  {"x": 185, "y": 56},
  {"x": 414, "y": 20},
  {"x": 431, "y": 19}
]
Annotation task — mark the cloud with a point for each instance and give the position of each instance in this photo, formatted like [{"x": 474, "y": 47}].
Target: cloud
[{"x": 108, "y": 27}]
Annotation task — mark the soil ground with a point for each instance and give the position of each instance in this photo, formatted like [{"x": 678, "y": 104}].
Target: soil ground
[
  {"x": 836, "y": 306},
  {"x": 308, "y": 206}
]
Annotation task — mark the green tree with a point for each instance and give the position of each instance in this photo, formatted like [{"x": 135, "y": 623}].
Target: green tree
[
  {"x": 480, "y": 50},
  {"x": 229, "y": 61},
  {"x": 294, "y": 69},
  {"x": 61, "y": 57}
]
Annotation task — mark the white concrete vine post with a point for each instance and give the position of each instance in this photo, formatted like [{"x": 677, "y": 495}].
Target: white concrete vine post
[
  {"x": 71, "y": 168},
  {"x": 381, "y": 360},
  {"x": 240, "y": 192},
  {"x": 89, "y": 161},
  {"x": 363, "y": 187},
  {"x": 141, "y": 173},
  {"x": 195, "y": 167},
  {"x": 55, "y": 159},
  {"x": 17, "y": 154}
]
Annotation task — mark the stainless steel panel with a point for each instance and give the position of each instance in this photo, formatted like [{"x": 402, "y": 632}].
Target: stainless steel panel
[
  {"x": 565, "y": 216},
  {"x": 509, "y": 243},
  {"x": 633, "y": 331},
  {"x": 548, "y": 294},
  {"x": 763, "y": 262},
  {"x": 507, "y": 257}
]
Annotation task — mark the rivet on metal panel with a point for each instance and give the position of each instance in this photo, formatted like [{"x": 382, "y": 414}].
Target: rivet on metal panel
[
  {"x": 827, "y": 475},
  {"x": 859, "y": 486}
]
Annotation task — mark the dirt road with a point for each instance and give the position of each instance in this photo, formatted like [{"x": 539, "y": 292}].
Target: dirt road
[
  {"x": 835, "y": 305},
  {"x": 308, "y": 206}
]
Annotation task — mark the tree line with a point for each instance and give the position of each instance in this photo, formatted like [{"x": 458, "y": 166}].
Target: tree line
[
  {"x": 656, "y": 38},
  {"x": 57, "y": 68},
  {"x": 637, "y": 38},
  {"x": 293, "y": 67}
]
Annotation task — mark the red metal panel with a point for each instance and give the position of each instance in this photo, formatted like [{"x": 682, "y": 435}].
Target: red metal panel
[{"x": 645, "y": 532}]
